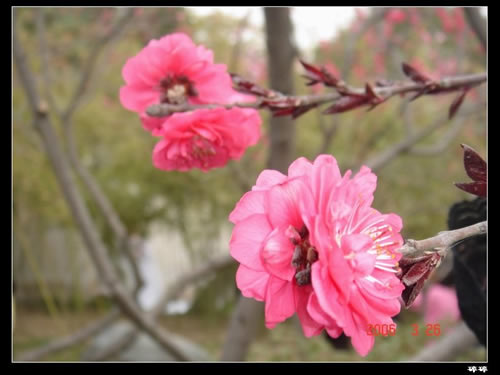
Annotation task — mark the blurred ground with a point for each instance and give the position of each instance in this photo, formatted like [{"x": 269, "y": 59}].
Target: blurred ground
[{"x": 284, "y": 343}]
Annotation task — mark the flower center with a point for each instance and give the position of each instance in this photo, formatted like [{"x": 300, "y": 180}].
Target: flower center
[
  {"x": 201, "y": 147},
  {"x": 176, "y": 89},
  {"x": 304, "y": 254}
]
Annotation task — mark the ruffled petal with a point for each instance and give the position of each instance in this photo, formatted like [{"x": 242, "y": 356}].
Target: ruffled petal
[
  {"x": 277, "y": 255},
  {"x": 247, "y": 239},
  {"x": 253, "y": 284},
  {"x": 280, "y": 301},
  {"x": 252, "y": 202}
]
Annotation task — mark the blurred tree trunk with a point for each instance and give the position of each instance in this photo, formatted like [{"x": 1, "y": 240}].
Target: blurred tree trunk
[
  {"x": 477, "y": 23},
  {"x": 281, "y": 52}
]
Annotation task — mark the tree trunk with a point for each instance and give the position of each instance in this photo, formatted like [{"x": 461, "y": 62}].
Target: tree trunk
[
  {"x": 281, "y": 52},
  {"x": 477, "y": 23}
]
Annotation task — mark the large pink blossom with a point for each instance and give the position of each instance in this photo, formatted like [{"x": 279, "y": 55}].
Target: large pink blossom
[
  {"x": 268, "y": 229},
  {"x": 354, "y": 279},
  {"x": 173, "y": 70},
  {"x": 205, "y": 138},
  {"x": 310, "y": 243}
]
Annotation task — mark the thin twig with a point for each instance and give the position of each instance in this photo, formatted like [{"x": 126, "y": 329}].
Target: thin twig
[
  {"x": 443, "y": 241},
  {"x": 91, "y": 62},
  {"x": 196, "y": 275},
  {"x": 449, "y": 346},
  {"x": 124, "y": 342},
  {"x": 72, "y": 339},
  {"x": 44, "y": 56},
  {"x": 477, "y": 23},
  {"x": 448, "y": 84},
  {"x": 94, "y": 244},
  {"x": 102, "y": 201},
  {"x": 386, "y": 156},
  {"x": 174, "y": 290},
  {"x": 438, "y": 147},
  {"x": 242, "y": 179}
]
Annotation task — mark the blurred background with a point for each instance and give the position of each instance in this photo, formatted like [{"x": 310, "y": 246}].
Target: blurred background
[{"x": 176, "y": 223}]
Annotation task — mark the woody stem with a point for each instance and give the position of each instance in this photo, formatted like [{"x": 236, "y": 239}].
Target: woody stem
[{"x": 443, "y": 241}]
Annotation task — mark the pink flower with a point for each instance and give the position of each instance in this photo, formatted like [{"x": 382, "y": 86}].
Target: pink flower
[
  {"x": 395, "y": 16},
  {"x": 441, "y": 304},
  {"x": 354, "y": 279},
  {"x": 173, "y": 70},
  {"x": 205, "y": 138},
  {"x": 268, "y": 230},
  {"x": 310, "y": 243}
]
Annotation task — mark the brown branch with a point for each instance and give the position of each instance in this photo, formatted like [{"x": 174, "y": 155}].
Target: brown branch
[
  {"x": 44, "y": 56},
  {"x": 94, "y": 244},
  {"x": 104, "y": 205},
  {"x": 236, "y": 50},
  {"x": 443, "y": 241},
  {"x": 90, "y": 182},
  {"x": 328, "y": 134},
  {"x": 376, "y": 15},
  {"x": 72, "y": 339},
  {"x": 123, "y": 343},
  {"x": 380, "y": 94},
  {"x": 241, "y": 178},
  {"x": 385, "y": 157},
  {"x": 477, "y": 23},
  {"x": 174, "y": 290},
  {"x": 449, "y": 346},
  {"x": 279, "y": 31},
  {"x": 443, "y": 143},
  {"x": 91, "y": 62},
  {"x": 192, "y": 277}
]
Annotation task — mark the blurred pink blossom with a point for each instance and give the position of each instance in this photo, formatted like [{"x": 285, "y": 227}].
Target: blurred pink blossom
[
  {"x": 205, "y": 138},
  {"x": 395, "y": 16},
  {"x": 441, "y": 304}
]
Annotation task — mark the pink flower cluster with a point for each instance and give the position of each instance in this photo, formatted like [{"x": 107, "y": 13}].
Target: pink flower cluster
[
  {"x": 174, "y": 70},
  {"x": 310, "y": 243}
]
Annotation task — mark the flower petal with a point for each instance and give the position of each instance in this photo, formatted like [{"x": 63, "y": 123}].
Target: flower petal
[
  {"x": 268, "y": 178},
  {"x": 253, "y": 284},
  {"x": 282, "y": 204},
  {"x": 247, "y": 239},
  {"x": 252, "y": 202},
  {"x": 280, "y": 301},
  {"x": 310, "y": 326},
  {"x": 277, "y": 255}
]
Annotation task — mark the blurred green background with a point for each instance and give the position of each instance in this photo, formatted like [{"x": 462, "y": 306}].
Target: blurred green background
[{"x": 55, "y": 286}]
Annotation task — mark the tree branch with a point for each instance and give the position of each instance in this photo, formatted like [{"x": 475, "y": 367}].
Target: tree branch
[
  {"x": 443, "y": 241},
  {"x": 279, "y": 102},
  {"x": 183, "y": 282},
  {"x": 192, "y": 277},
  {"x": 116, "y": 347},
  {"x": 443, "y": 143},
  {"x": 376, "y": 15},
  {"x": 241, "y": 178},
  {"x": 477, "y": 23},
  {"x": 44, "y": 56},
  {"x": 385, "y": 157},
  {"x": 91, "y": 62},
  {"x": 449, "y": 346},
  {"x": 90, "y": 182},
  {"x": 72, "y": 339},
  {"x": 236, "y": 50},
  {"x": 80, "y": 212}
]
